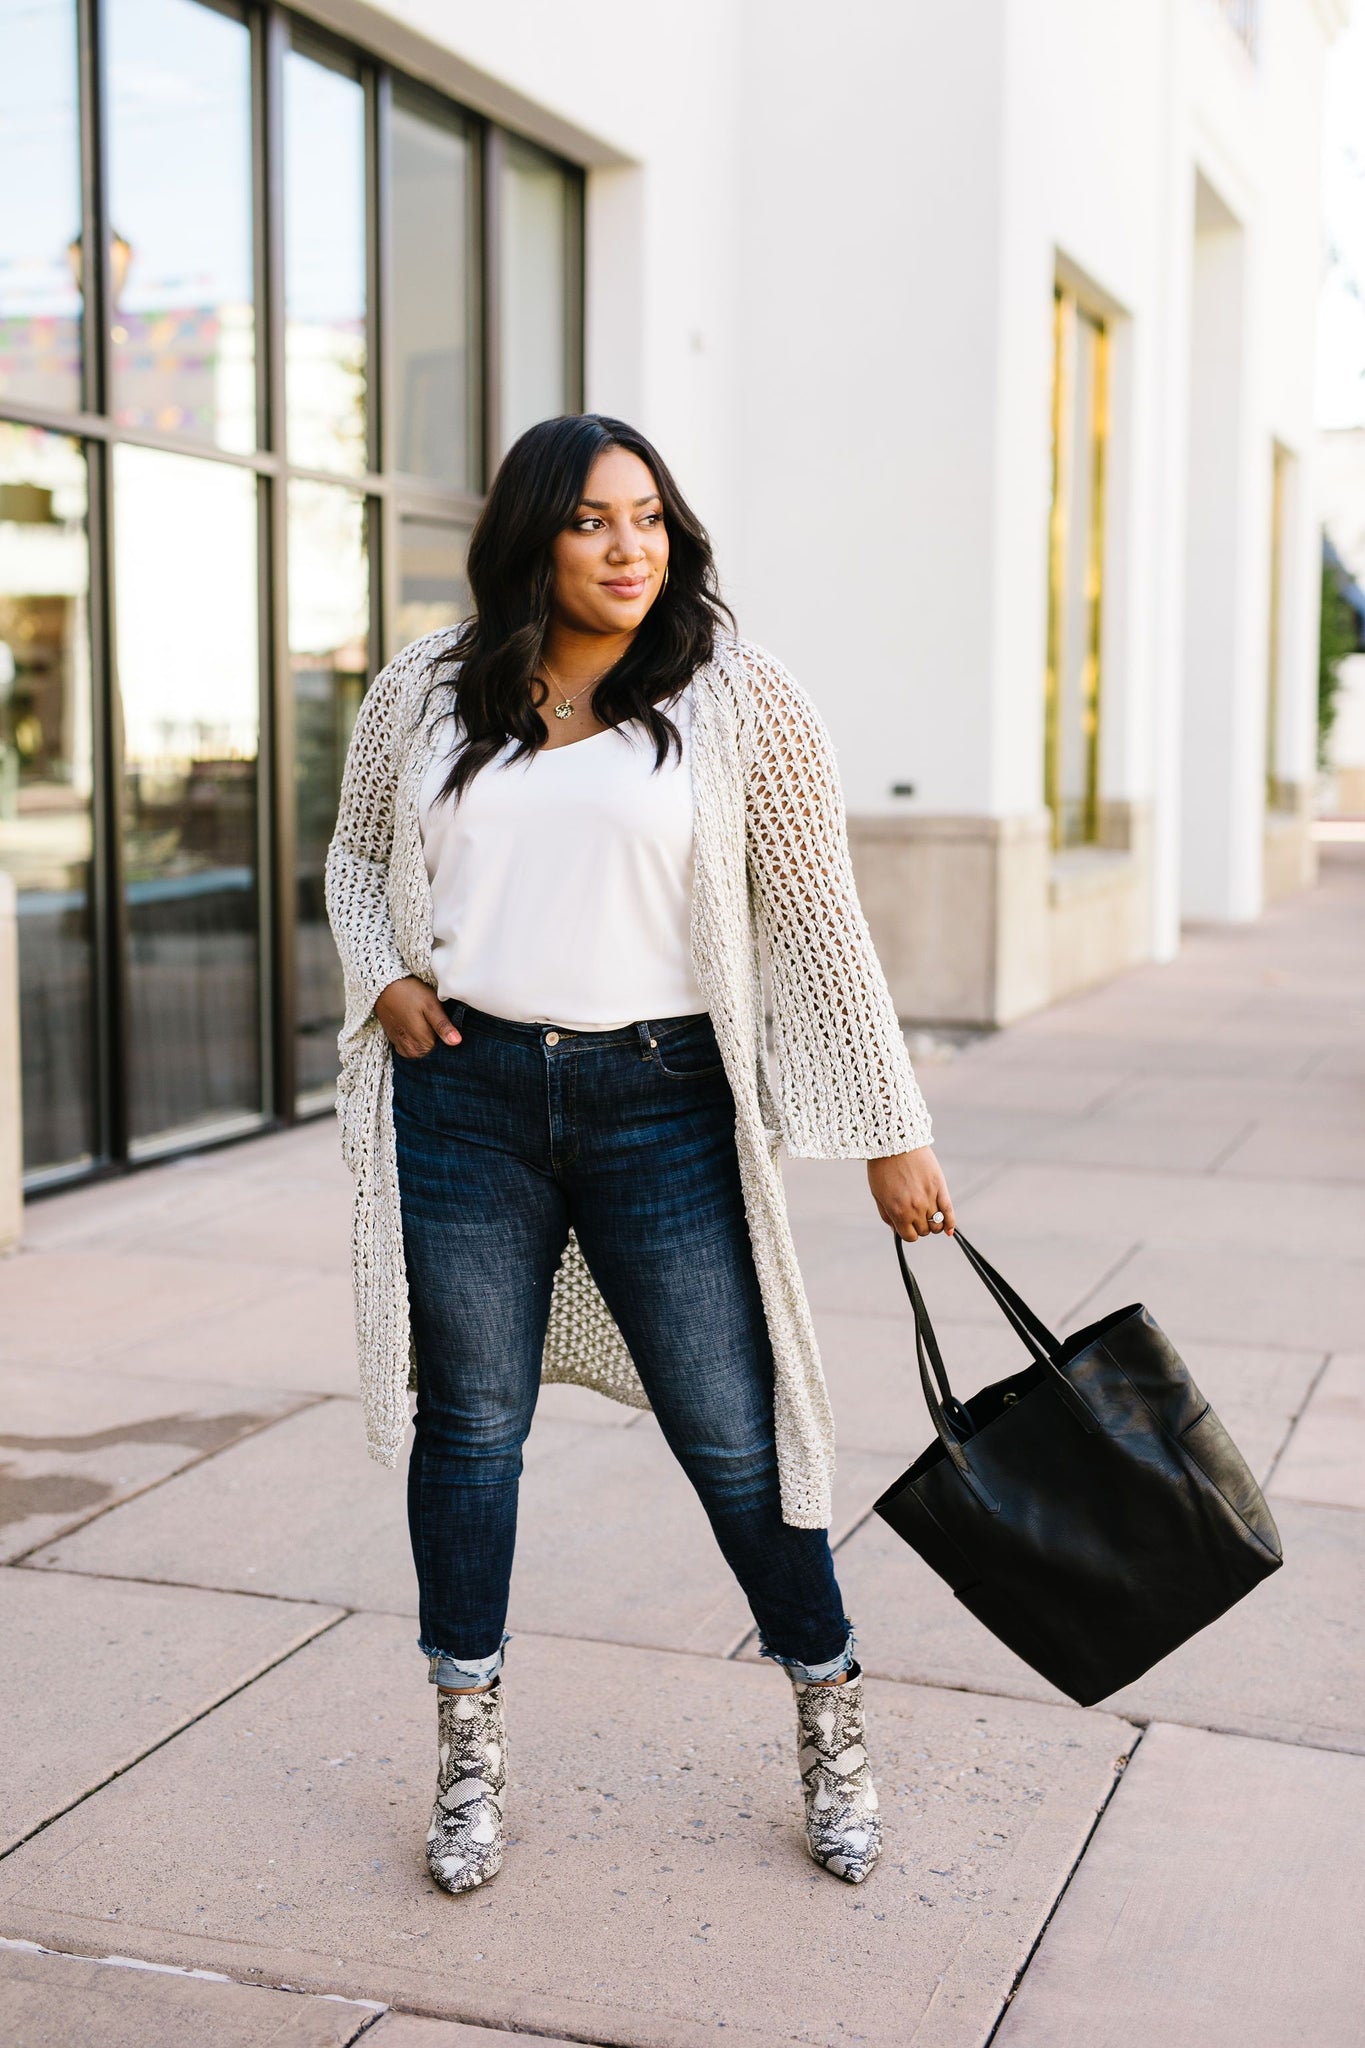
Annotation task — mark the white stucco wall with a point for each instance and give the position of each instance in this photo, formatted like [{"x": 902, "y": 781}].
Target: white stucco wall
[{"x": 821, "y": 256}]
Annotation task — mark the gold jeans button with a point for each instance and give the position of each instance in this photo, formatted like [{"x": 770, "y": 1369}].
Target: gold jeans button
[{"x": 552, "y": 1038}]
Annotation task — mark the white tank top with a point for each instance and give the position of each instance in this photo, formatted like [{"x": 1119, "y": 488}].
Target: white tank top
[{"x": 561, "y": 885}]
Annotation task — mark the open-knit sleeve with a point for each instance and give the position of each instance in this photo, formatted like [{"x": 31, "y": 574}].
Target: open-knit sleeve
[
  {"x": 847, "y": 1088},
  {"x": 358, "y": 857}
]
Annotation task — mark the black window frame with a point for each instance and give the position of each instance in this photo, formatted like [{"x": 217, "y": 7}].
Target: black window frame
[{"x": 386, "y": 494}]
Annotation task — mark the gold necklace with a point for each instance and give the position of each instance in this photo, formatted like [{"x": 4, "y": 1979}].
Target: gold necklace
[{"x": 564, "y": 708}]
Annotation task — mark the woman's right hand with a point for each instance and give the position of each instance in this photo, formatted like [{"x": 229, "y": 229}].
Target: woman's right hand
[{"x": 413, "y": 1018}]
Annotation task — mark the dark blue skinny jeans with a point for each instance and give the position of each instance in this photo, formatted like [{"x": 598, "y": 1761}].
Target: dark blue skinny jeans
[{"x": 505, "y": 1141}]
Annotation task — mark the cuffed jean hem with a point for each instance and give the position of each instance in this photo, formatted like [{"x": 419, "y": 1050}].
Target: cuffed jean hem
[
  {"x": 813, "y": 1674},
  {"x": 460, "y": 1673}
]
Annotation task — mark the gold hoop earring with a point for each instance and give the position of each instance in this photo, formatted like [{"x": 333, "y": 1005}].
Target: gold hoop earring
[{"x": 664, "y": 585}]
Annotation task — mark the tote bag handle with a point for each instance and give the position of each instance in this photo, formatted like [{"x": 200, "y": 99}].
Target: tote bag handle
[
  {"x": 931, "y": 1369},
  {"x": 943, "y": 1405}
]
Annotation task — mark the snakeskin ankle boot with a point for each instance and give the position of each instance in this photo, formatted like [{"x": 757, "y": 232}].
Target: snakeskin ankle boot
[
  {"x": 464, "y": 1845},
  {"x": 843, "y": 1826}
]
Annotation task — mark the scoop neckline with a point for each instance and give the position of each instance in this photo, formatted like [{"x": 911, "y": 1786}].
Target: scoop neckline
[{"x": 571, "y": 746}]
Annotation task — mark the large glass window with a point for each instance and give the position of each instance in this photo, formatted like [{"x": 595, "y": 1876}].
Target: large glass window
[
  {"x": 539, "y": 250},
  {"x": 184, "y": 322},
  {"x": 274, "y": 501},
  {"x": 433, "y": 590},
  {"x": 433, "y": 385},
  {"x": 1076, "y": 572},
  {"x": 45, "y": 782},
  {"x": 40, "y": 205},
  {"x": 185, "y": 606},
  {"x": 329, "y": 619},
  {"x": 324, "y": 256}
]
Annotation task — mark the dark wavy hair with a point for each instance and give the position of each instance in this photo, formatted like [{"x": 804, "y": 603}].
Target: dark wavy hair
[{"x": 538, "y": 488}]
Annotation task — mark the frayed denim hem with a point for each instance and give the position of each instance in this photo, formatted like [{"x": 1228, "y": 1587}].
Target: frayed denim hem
[
  {"x": 813, "y": 1674},
  {"x": 461, "y": 1673}
]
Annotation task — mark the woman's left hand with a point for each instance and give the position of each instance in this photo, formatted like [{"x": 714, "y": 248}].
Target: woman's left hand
[{"x": 909, "y": 1190}]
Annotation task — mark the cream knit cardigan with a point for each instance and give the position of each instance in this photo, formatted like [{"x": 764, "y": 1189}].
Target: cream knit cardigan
[{"x": 774, "y": 883}]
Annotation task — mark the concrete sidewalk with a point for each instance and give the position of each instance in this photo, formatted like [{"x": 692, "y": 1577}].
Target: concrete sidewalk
[{"x": 218, "y": 1731}]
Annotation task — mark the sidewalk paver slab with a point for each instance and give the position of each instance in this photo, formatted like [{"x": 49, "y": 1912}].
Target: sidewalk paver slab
[
  {"x": 1056, "y": 1088},
  {"x": 605, "y": 1516},
  {"x": 1171, "y": 1209},
  {"x": 72, "y": 1444},
  {"x": 59, "y": 2001},
  {"x": 874, "y": 1384},
  {"x": 74, "y": 1308},
  {"x": 1307, "y": 1101},
  {"x": 1299, "y": 1152},
  {"x": 1165, "y": 1144},
  {"x": 875, "y": 1389},
  {"x": 1324, "y": 1459},
  {"x": 855, "y": 1263},
  {"x": 1217, "y": 1907},
  {"x": 95, "y": 1673},
  {"x": 1287, "y": 1662},
  {"x": 411, "y": 2030},
  {"x": 297, "y": 1333},
  {"x": 1255, "y": 1296},
  {"x": 656, "y": 1883}
]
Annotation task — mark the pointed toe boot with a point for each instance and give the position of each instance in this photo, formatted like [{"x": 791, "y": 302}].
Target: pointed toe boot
[
  {"x": 464, "y": 1843},
  {"x": 843, "y": 1825}
]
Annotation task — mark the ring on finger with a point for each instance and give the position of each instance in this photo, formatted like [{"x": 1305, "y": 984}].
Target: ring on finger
[{"x": 936, "y": 1220}]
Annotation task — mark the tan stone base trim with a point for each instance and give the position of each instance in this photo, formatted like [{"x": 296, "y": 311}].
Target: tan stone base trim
[
  {"x": 1290, "y": 853},
  {"x": 978, "y": 922}
]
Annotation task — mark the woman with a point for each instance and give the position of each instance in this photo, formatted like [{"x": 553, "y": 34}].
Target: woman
[{"x": 569, "y": 832}]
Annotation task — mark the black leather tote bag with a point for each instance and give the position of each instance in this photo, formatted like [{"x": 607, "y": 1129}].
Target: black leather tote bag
[{"x": 1092, "y": 1510}]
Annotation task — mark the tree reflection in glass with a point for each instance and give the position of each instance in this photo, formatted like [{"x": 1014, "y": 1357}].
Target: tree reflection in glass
[
  {"x": 324, "y": 245},
  {"x": 184, "y": 327},
  {"x": 40, "y": 205}
]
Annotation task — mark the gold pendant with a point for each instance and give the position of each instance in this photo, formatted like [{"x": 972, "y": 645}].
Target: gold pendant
[{"x": 563, "y": 710}]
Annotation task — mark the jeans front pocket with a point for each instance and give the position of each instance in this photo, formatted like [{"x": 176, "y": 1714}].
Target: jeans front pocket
[{"x": 688, "y": 1051}]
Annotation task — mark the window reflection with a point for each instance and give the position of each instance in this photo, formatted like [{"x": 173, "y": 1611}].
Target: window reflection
[
  {"x": 45, "y": 782},
  {"x": 324, "y": 198},
  {"x": 1076, "y": 574},
  {"x": 538, "y": 229},
  {"x": 433, "y": 590},
  {"x": 185, "y": 612},
  {"x": 40, "y": 204},
  {"x": 184, "y": 328},
  {"x": 329, "y": 618},
  {"x": 432, "y": 245}
]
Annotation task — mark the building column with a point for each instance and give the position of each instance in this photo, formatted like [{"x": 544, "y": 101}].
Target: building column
[{"x": 1223, "y": 723}]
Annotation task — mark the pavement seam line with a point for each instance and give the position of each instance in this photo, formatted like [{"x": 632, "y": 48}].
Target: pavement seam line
[
  {"x": 1296, "y": 1418},
  {"x": 190, "y": 1586},
  {"x": 1229, "y": 1149},
  {"x": 122, "y": 1770},
  {"x": 1110, "y": 1273},
  {"x": 1119, "y": 1775},
  {"x": 374, "y": 2011},
  {"x": 203, "y": 1457}
]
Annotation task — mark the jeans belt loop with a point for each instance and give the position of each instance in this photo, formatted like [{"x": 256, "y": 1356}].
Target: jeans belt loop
[
  {"x": 642, "y": 1033},
  {"x": 457, "y": 1018}
]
